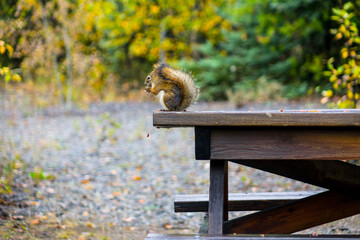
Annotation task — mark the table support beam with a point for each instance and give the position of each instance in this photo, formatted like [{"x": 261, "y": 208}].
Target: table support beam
[
  {"x": 296, "y": 216},
  {"x": 335, "y": 175},
  {"x": 218, "y": 196}
]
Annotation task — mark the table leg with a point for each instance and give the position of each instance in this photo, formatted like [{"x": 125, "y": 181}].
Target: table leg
[{"x": 218, "y": 196}]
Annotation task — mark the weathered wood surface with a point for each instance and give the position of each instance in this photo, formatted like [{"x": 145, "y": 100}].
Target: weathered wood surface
[
  {"x": 218, "y": 195},
  {"x": 296, "y": 216},
  {"x": 250, "y": 237},
  {"x": 319, "y": 118},
  {"x": 335, "y": 175},
  {"x": 239, "y": 201},
  {"x": 285, "y": 143}
]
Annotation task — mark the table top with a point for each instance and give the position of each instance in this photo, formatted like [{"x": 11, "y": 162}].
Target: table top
[{"x": 298, "y": 118}]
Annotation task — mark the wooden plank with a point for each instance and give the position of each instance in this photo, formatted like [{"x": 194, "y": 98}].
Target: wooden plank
[
  {"x": 217, "y": 197},
  {"x": 226, "y": 192},
  {"x": 318, "y": 118},
  {"x": 335, "y": 175},
  {"x": 202, "y": 143},
  {"x": 239, "y": 201},
  {"x": 153, "y": 236},
  {"x": 285, "y": 143},
  {"x": 296, "y": 216}
]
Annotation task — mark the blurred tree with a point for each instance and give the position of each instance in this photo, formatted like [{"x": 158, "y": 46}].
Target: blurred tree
[
  {"x": 59, "y": 44},
  {"x": 235, "y": 47},
  {"x": 140, "y": 31},
  {"x": 6, "y": 74},
  {"x": 344, "y": 78},
  {"x": 283, "y": 41}
]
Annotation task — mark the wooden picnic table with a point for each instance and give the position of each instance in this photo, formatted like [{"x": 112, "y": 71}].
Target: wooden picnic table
[{"x": 305, "y": 145}]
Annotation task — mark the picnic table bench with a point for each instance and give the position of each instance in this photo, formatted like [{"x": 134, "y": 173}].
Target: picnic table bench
[{"x": 305, "y": 145}]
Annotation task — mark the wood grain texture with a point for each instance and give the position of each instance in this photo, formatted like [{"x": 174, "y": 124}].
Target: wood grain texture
[
  {"x": 153, "y": 236},
  {"x": 296, "y": 216},
  {"x": 335, "y": 175},
  {"x": 285, "y": 143},
  {"x": 318, "y": 118},
  {"x": 218, "y": 197},
  {"x": 239, "y": 201}
]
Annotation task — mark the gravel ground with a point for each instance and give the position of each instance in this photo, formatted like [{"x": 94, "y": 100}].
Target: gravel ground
[{"x": 108, "y": 166}]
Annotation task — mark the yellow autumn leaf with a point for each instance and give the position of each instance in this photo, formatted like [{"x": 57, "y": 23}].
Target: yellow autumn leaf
[
  {"x": 353, "y": 54},
  {"x": 16, "y": 78},
  {"x": 357, "y": 96},
  {"x": 2, "y": 49},
  {"x": 154, "y": 9},
  {"x": 338, "y": 36},
  {"x": 327, "y": 93},
  {"x": 10, "y": 49}
]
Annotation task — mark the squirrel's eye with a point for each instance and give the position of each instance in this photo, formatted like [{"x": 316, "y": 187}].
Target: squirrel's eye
[{"x": 148, "y": 77}]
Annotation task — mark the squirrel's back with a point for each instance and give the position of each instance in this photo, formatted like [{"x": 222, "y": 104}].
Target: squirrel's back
[{"x": 184, "y": 80}]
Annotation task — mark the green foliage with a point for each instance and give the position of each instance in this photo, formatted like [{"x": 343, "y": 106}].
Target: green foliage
[
  {"x": 344, "y": 78},
  {"x": 259, "y": 90},
  {"x": 5, "y": 72},
  {"x": 9, "y": 167},
  {"x": 284, "y": 41},
  {"x": 39, "y": 175}
]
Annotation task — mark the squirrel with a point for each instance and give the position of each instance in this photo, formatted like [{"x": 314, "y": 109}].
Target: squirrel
[{"x": 176, "y": 89}]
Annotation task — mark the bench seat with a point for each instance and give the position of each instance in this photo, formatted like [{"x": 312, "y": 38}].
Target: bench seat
[
  {"x": 239, "y": 201},
  {"x": 250, "y": 237}
]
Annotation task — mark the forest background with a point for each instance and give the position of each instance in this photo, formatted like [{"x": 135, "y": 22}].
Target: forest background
[{"x": 77, "y": 51}]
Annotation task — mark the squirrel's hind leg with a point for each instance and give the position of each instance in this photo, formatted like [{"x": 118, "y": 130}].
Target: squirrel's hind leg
[{"x": 172, "y": 100}]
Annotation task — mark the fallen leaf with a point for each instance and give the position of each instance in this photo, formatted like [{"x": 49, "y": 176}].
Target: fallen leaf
[
  {"x": 167, "y": 226},
  {"x": 148, "y": 135},
  {"x": 138, "y": 168},
  {"x": 91, "y": 225},
  {"x": 35, "y": 222},
  {"x": 60, "y": 226},
  {"x": 35, "y": 203},
  {"x": 116, "y": 193},
  {"x": 130, "y": 228},
  {"x": 137, "y": 178},
  {"x": 85, "y": 181}
]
